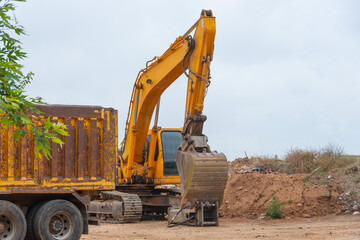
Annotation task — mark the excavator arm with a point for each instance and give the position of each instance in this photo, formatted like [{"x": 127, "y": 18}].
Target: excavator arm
[{"x": 149, "y": 86}]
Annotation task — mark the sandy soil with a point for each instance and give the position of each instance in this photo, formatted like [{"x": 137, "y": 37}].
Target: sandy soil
[
  {"x": 328, "y": 227},
  {"x": 248, "y": 195}
]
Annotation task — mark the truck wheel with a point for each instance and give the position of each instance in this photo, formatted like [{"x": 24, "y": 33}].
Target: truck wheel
[
  {"x": 30, "y": 220},
  {"x": 12, "y": 221},
  {"x": 58, "y": 219}
]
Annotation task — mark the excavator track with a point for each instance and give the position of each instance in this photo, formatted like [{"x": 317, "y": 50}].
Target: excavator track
[
  {"x": 132, "y": 210},
  {"x": 115, "y": 207}
]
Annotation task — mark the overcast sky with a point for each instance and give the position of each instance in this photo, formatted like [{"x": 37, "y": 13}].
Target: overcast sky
[{"x": 285, "y": 73}]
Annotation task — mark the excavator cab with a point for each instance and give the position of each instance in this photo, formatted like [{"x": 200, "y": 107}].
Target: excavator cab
[{"x": 166, "y": 143}]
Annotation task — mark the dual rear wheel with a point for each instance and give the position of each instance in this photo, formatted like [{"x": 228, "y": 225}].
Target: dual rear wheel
[
  {"x": 53, "y": 220},
  {"x": 56, "y": 219}
]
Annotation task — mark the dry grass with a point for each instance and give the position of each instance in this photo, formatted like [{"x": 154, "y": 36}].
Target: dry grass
[
  {"x": 323, "y": 160},
  {"x": 307, "y": 160},
  {"x": 300, "y": 161}
]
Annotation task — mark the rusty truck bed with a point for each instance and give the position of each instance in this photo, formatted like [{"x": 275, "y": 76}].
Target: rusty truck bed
[{"x": 85, "y": 162}]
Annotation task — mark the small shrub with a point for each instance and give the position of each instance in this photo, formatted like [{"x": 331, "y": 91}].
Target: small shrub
[
  {"x": 330, "y": 157},
  {"x": 275, "y": 209},
  {"x": 300, "y": 161},
  {"x": 306, "y": 179},
  {"x": 290, "y": 200}
]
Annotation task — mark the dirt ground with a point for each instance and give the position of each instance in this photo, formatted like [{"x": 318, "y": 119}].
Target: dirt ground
[{"x": 327, "y": 227}]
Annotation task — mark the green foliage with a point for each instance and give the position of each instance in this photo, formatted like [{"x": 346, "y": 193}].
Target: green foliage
[
  {"x": 275, "y": 209},
  {"x": 306, "y": 179},
  {"x": 16, "y": 109}
]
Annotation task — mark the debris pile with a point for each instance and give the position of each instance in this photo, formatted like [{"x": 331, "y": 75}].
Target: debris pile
[
  {"x": 347, "y": 180},
  {"x": 249, "y": 165}
]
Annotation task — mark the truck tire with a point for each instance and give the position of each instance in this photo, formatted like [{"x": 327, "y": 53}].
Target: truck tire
[
  {"x": 30, "y": 220},
  {"x": 12, "y": 222},
  {"x": 58, "y": 219}
]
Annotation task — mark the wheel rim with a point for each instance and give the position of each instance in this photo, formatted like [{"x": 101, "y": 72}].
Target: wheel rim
[
  {"x": 61, "y": 225},
  {"x": 7, "y": 227}
]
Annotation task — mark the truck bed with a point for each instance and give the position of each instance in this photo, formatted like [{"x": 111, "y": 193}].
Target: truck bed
[{"x": 86, "y": 161}]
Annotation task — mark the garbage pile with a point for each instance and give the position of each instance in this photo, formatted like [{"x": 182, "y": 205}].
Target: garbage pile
[{"x": 250, "y": 165}]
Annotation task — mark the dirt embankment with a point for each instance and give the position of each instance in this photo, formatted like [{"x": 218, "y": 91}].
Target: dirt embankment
[{"x": 249, "y": 194}]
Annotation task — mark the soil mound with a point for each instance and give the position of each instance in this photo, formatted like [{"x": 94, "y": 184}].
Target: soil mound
[{"x": 249, "y": 194}]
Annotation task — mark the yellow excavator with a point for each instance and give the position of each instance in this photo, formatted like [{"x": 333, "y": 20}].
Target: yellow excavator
[{"x": 152, "y": 161}]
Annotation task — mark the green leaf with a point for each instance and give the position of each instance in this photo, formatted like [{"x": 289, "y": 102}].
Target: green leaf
[
  {"x": 48, "y": 124},
  {"x": 57, "y": 140},
  {"x": 62, "y": 132}
]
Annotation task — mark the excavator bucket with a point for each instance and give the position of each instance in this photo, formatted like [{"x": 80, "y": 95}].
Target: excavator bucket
[{"x": 203, "y": 177}]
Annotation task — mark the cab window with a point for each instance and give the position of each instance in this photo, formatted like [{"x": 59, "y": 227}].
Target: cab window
[
  {"x": 170, "y": 142},
  {"x": 147, "y": 148}
]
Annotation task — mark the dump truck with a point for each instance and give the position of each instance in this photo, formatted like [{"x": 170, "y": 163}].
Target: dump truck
[
  {"x": 89, "y": 179},
  {"x": 49, "y": 197}
]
